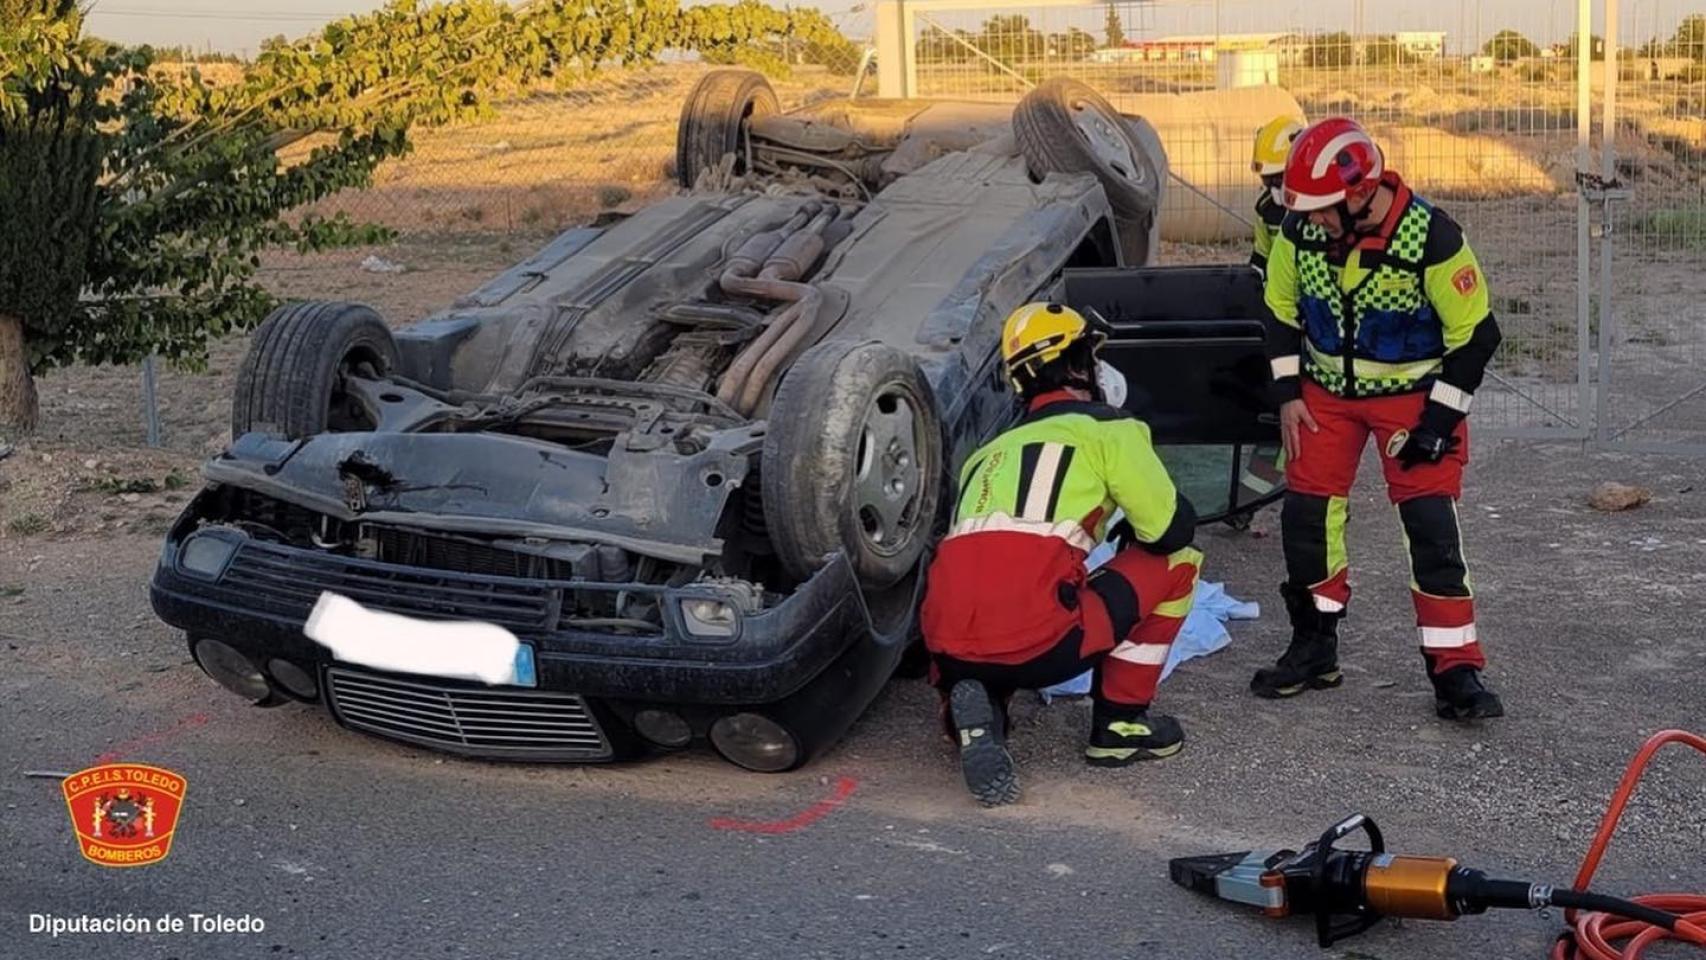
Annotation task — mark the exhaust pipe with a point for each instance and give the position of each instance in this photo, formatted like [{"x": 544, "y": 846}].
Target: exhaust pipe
[{"x": 744, "y": 382}]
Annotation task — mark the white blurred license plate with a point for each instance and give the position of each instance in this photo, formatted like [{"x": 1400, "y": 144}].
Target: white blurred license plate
[{"x": 457, "y": 650}]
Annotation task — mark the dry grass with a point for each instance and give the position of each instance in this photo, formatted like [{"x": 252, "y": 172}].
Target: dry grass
[
  {"x": 552, "y": 160},
  {"x": 556, "y": 160}
]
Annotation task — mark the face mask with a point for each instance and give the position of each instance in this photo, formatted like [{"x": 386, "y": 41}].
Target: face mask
[{"x": 1110, "y": 383}]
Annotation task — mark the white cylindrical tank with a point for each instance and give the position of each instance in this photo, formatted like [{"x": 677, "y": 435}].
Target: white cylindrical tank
[
  {"x": 1246, "y": 68},
  {"x": 1208, "y": 135}
]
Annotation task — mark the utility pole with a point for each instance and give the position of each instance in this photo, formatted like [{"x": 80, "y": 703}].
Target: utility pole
[{"x": 1359, "y": 45}]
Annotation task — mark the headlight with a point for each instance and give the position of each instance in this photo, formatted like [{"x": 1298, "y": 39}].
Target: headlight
[
  {"x": 755, "y": 742},
  {"x": 205, "y": 556},
  {"x": 709, "y": 618}
]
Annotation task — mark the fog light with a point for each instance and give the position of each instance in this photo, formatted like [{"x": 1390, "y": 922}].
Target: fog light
[
  {"x": 708, "y": 618},
  {"x": 663, "y": 728},
  {"x": 755, "y": 742},
  {"x": 232, "y": 670},
  {"x": 293, "y": 678},
  {"x": 205, "y": 556}
]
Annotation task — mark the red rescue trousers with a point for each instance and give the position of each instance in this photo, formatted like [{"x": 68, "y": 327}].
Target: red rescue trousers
[
  {"x": 1128, "y": 613},
  {"x": 1316, "y": 507}
]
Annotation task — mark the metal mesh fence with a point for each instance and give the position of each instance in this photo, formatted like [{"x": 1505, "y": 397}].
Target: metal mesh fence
[
  {"x": 1652, "y": 366},
  {"x": 1485, "y": 127}
]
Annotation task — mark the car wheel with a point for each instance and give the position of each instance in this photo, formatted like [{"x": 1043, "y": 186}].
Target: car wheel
[
  {"x": 1063, "y": 126},
  {"x": 714, "y": 120},
  {"x": 292, "y": 379},
  {"x": 852, "y": 461}
]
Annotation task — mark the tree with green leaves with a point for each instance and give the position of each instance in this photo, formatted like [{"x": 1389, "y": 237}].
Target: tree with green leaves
[
  {"x": 1074, "y": 45},
  {"x": 1384, "y": 51},
  {"x": 1690, "y": 39},
  {"x": 1114, "y": 31},
  {"x": 1330, "y": 50},
  {"x": 1508, "y": 45},
  {"x": 1011, "y": 39},
  {"x": 137, "y": 202},
  {"x": 1596, "y": 46},
  {"x": 51, "y": 149}
]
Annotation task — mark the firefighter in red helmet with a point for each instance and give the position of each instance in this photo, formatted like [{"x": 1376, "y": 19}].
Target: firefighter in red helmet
[{"x": 1380, "y": 326}]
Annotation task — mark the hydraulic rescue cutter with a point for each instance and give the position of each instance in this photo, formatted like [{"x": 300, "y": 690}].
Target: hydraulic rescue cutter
[{"x": 1348, "y": 890}]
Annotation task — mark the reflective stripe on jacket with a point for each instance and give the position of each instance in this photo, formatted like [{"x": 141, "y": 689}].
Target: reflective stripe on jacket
[{"x": 1032, "y": 504}]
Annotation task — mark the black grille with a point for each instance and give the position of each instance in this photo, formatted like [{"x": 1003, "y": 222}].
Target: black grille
[
  {"x": 466, "y": 718},
  {"x": 290, "y": 581}
]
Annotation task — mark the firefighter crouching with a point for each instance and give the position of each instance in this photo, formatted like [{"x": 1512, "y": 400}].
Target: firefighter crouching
[
  {"x": 1380, "y": 326},
  {"x": 1009, "y": 604}
]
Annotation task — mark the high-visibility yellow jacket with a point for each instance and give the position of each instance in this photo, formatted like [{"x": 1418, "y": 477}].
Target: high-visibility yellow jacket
[
  {"x": 1033, "y": 502},
  {"x": 1269, "y": 216},
  {"x": 1404, "y": 309}
]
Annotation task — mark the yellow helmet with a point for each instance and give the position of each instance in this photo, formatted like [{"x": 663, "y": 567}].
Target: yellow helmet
[
  {"x": 1273, "y": 145},
  {"x": 1038, "y": 333}
]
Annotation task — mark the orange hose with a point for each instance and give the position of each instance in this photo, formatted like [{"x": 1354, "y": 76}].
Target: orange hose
[{"x": 1594, "y": 935}]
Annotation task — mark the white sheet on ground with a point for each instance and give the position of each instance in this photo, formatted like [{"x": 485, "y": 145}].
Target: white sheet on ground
[{"x": 1204, "y": 631}]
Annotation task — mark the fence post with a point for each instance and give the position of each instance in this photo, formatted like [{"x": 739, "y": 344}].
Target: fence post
[
  {"x": 150, "y": 409},
  {"x": 894, "y": 56},
  {"x": 1608, "y": 152},
  {"x": 1584, "y": 166}
]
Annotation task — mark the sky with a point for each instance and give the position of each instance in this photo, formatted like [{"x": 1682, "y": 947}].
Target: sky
[{"x": 238, "y": 26}]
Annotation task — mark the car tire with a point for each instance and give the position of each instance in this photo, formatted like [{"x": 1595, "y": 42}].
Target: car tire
[
  {"x": 291, "y": 380},
  {"x": 1063, "y": 126},
  {"x": 852, "y": 461},
  {"x": 714, "y": 118}
]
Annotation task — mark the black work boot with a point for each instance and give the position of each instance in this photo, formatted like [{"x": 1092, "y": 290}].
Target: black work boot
[
  {"x": 1124, "y": 735},
  {"x": 980, "y": 729},
  {"x": 1460, "y": 695},
  {"x": 1311, "y": 662}
]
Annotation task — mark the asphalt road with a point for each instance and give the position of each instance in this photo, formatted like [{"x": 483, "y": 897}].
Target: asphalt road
[{"x": 345, "y": 846}]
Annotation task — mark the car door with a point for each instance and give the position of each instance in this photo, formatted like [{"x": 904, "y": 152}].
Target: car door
[{"x": 1189, "y": 340}]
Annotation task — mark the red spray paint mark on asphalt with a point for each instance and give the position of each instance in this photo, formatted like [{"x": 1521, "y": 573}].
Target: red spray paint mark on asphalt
[
  {"x": 150, "y": 739},
  {"x": 843, "y": 789}
]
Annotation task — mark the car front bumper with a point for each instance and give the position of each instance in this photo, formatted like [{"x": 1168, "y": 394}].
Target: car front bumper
[{"x": 589, "y": 683}]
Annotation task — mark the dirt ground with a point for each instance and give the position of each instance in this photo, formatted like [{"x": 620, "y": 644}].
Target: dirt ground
[
  {"x": 350, "y": 846},
  {"x": 551, "y": 159}
]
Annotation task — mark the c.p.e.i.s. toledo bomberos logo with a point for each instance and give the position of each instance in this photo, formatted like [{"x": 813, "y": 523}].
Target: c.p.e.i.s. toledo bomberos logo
[{"x": 124, "y": 813}]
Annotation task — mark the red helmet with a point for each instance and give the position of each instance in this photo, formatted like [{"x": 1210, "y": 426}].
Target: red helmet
[{"x": 1331, "y": 161}]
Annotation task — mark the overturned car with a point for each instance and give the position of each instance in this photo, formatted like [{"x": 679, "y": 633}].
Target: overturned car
[{"x": 694, "y": 460}]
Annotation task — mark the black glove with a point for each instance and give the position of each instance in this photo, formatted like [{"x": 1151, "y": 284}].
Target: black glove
[
  {"x": 1122, "y": 534},
  {"x": 1431, "y": 439}
]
